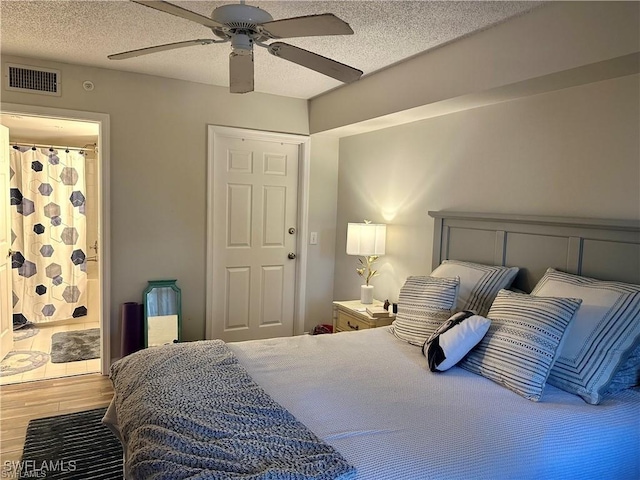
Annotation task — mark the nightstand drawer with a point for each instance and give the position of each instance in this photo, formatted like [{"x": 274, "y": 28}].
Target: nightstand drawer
[
  {"x": 351, "y": 315},
  {"x": 346, "y": 322}
]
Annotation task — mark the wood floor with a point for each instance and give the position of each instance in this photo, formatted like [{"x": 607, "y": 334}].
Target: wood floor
[{"x": 45, "y": 398}]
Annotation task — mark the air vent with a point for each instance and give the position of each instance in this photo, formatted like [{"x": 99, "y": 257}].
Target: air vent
[{"x": 23, "y": 78}]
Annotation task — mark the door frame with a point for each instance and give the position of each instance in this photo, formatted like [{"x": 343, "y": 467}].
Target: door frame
[
  {"x": 104, "y": 226},
  {"x": 6, "y": 335},
  {"x": 304, "y": 162}
]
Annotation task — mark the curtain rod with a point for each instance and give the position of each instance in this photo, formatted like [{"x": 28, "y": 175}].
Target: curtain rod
[{"x": 88, "y": 146}]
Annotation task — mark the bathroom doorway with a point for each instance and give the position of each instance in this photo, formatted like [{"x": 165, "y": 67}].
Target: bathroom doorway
[{"x": 64, "y": 333}]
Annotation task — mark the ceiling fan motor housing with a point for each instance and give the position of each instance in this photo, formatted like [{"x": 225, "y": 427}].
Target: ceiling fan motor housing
[
  {"x": 241, "y": 44},
  {"x": 240, "y": 18}
]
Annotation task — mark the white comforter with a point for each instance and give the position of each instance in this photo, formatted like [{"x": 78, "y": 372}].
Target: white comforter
[{"x": 373, "y": 398}]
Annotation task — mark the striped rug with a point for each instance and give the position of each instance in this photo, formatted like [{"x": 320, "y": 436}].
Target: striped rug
[{"x": 71, "y": 447}]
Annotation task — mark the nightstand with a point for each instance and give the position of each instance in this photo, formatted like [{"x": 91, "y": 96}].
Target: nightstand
[{"x": 352, "y": 315}]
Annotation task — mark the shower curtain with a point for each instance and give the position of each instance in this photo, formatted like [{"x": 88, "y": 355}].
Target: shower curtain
[{"x": 48, "y": 235}]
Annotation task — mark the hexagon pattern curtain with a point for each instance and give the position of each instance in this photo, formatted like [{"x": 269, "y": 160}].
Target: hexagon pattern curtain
[{"x": 48, "y": 235}]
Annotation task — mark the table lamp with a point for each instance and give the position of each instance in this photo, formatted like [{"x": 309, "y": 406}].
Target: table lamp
[{"x": 368, "y": 241}]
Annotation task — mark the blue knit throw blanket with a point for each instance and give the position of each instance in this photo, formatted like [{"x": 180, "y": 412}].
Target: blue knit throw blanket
[{"x": 190, "y": 410}]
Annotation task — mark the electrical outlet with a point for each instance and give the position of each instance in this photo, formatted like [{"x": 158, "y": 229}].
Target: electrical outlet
[{"x": 313, "y": 238}]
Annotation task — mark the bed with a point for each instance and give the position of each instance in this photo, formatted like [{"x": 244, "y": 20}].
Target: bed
[{"x": 364, "y": 405}]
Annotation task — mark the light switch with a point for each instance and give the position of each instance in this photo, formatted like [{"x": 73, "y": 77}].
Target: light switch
[{"x": 313, "y": 238}]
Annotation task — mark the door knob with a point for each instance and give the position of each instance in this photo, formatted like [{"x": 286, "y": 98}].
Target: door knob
[
  {"x": 291, "y": 256},
  {"x": 292, "y": 230}
]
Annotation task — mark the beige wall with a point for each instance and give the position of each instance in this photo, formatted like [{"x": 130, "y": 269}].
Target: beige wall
[
  {"x": 323, "y": 191},
  {"x": 573, "y": 152},
  {"x": 158, "y": 171}
]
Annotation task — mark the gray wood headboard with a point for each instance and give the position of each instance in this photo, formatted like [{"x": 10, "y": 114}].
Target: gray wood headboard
[{"x": 598, "y": 248}]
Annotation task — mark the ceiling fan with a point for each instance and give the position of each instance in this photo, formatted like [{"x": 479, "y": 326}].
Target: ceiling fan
[{"x": 244, "y": 26}]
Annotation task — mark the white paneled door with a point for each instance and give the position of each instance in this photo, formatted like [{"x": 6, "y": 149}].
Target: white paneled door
[
  {"x": 255, "y": 231},
  {"x": 6, "y": 305}
]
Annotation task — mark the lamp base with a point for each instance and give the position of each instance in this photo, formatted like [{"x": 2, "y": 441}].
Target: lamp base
[{"x": 366, "y": 294}]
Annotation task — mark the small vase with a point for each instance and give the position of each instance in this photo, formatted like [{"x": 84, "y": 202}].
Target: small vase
[{"x": 366, "y": 294}]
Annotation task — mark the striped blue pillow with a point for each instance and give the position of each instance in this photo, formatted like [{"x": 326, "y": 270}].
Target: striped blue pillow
[
  {"x": 479, "y": 284},
  {"x": 603, "y": 335},
  {"x": 520, "y": 347},
  {"x": 424, "y": 304}
]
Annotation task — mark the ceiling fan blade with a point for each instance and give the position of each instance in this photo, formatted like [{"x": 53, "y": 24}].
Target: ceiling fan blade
[
  {"x": 159, "y": 48},
  {"x": 241, "y": 72},
  {"x": 307, "y": 26},
  {"x": 316, "y": 62},
  {"x": 180, "y": 12}
]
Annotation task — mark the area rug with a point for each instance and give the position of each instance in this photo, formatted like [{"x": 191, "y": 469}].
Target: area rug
[
  {"x": 71, "y": 447},
  {"x": 25, "y": 332},
  {"x": 20, "y": 361},
  {"x": 75, "y": 346}
]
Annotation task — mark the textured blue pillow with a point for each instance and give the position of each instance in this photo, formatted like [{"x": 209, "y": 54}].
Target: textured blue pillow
[
  {"x": 627, "y": 375},
  {"x": 520, "y": 347}
]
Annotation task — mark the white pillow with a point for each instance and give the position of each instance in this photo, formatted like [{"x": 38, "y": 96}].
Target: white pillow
[
  {"x": 454, "y": 339},
  {"x": 603, "y": 335},
  {"x": 423, "y": 304},
  {"x": 479, "y": 284}
]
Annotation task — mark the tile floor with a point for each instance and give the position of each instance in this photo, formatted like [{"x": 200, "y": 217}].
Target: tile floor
[{"x": 42, "y": 342}]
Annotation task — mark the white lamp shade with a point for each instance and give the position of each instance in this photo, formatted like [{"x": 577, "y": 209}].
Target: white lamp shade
[{"x": 366, "y": 238}]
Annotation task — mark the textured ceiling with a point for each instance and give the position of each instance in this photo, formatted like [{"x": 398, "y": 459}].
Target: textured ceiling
[{"x": 386, "y": 32}]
